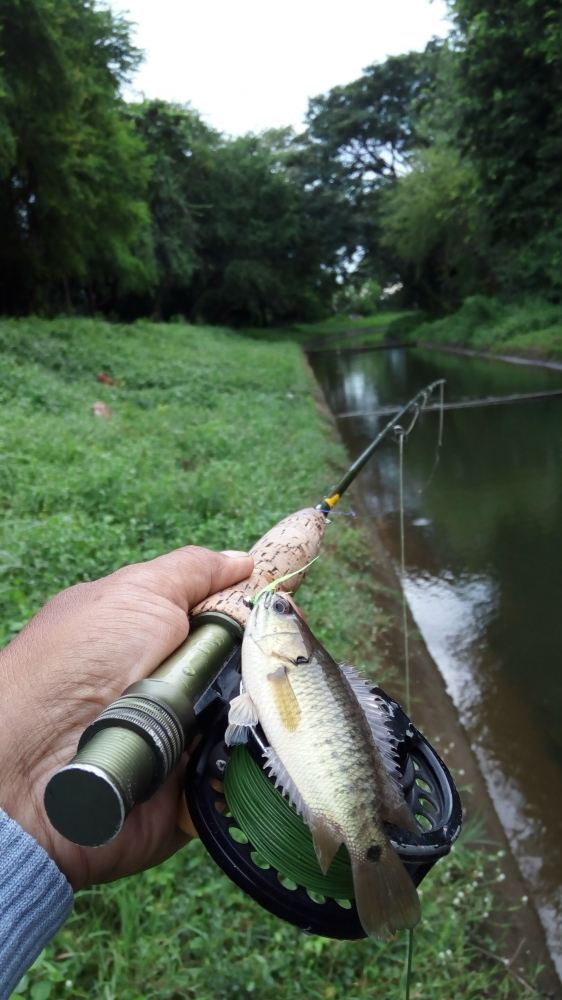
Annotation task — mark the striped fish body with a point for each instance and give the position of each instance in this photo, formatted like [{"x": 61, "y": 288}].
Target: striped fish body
[{"x": 331, "y": 753}]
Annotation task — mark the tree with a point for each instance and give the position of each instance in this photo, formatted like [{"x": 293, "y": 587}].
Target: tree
[
  {"x": 365, "y": 131},
  {"x": 359, "y": 141},
  {"x": 72, "y": 172},
  {"x": 260, "y": 260},
  {"x": 509, "y": 123},
  {"x": 182, "y": 152},
  {"x": 435, "y": 231}
]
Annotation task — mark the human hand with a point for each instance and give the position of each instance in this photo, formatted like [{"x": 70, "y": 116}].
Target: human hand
[{"x": 74, "y": 657}]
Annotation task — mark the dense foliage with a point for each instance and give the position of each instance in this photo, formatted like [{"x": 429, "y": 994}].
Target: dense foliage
[
  {"x": 73, "y": 173},
  {"x": 435, "y": 172}
]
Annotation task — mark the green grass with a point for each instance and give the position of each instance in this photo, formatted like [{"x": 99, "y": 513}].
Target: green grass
[
  {"x": 213, "y": 438},
  {"x": 343, "y": 330},
  {"x": 530, "y": 329},
  {"x": 359, "y": 331}
]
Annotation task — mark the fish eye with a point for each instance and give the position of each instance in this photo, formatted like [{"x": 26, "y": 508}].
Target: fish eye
[{"x": 281, "y": 606}]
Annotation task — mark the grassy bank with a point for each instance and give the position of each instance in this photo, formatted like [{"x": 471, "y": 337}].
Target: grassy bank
[
  {"x": 342, "y": 331},
  {"x": 532, "y": 329},
  {"x": 212, "y": 438}
]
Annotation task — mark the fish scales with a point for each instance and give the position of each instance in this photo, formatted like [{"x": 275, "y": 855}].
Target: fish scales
[
  {"x": 324, "y": 753},
  {"x": 329, "y": 750}
]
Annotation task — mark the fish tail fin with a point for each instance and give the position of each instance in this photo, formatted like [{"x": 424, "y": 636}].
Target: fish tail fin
[{"x": 385, "y": 895}]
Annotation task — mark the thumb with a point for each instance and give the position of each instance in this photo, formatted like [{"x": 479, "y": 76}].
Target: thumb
[{"x": 190, "y": 574}]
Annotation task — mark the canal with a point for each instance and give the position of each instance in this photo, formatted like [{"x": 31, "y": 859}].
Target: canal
[{"x": 483, "y": 519}]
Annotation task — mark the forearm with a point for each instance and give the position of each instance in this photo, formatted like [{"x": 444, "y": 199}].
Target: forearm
[{"x": 35, "y": 900}]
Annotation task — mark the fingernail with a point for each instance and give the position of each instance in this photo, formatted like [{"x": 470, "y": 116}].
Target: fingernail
[{"x": 234, "y": 553}]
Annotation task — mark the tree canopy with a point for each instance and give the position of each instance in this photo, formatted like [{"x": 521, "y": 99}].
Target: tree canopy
[{"x": 436, "y": 171}]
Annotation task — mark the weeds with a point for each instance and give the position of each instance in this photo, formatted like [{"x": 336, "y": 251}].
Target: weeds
[{"x": 532, "y": 328}]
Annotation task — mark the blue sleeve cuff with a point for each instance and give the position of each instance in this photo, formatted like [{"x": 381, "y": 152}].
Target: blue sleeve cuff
[{"x": 35, "y": 900}]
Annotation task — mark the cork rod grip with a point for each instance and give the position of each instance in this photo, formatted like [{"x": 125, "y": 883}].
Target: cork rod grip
[{"x": 287, "y": 547}]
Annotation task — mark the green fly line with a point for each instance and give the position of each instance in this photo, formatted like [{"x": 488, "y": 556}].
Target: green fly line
[{"x": 280, "y": 837}]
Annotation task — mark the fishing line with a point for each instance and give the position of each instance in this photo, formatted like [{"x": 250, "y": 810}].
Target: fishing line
[
  {"x": 439, "y": 443},
  {"x": 441, "y": 415},
  {"x": 283, "y": 842},
  {"x": 281, "y": 838},
  {"x": 409, "y": 958},
  {"x": 401, "y": 434}
]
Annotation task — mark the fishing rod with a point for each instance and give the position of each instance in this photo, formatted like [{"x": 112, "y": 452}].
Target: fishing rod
[
  {"x": 127, "y": 753},
  {"x": 413, "y": 408}
]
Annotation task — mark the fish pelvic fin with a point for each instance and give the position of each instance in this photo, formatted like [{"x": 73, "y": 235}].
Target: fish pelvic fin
[
  {"x": 385, "y": 895},
  {"x": 326, "y": 842},
  {"x": 242, "y": 715}
]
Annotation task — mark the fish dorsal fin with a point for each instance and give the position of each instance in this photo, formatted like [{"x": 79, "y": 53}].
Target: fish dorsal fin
[
  {"x": 393, "y": 807},
  {"x": 276, "y": 769},
  {"x": 376, "y": 716}
]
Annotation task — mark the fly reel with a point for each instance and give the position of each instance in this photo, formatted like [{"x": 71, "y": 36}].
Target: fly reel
[{"x": 260, "y": 842}]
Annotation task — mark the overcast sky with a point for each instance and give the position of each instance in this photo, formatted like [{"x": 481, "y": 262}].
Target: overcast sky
[{"x": 247, "y": 65}]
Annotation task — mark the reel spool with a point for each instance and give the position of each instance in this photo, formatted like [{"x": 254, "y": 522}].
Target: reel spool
[{"x": 259, "y": 841}]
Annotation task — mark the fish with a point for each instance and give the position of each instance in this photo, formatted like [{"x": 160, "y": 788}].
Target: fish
[{"x": 331, "y": 753}]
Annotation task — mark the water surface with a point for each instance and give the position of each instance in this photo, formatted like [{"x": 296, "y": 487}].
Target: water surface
[{"x": 483, "y": 570}]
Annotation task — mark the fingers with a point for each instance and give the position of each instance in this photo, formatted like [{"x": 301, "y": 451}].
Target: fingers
[{"x": 188, "y": 575}]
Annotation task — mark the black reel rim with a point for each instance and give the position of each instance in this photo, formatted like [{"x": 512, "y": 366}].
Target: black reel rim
[{"x": 428, "y": 787}]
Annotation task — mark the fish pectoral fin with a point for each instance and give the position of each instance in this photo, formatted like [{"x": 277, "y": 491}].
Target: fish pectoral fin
[
  {"x": 285, "y": 699},
  {"x": 277, "y": 675},
  {"x": 326, "y": 842},
  {"x": 242, "y": 715}
]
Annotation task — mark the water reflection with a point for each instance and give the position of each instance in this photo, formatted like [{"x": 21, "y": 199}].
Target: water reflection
[
  {"x": 453, "y": 614},
  {"x": 484, "y": 551}
]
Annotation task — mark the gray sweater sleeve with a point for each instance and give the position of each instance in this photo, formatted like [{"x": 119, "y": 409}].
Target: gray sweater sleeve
[{"x": 35, "y": 900}]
